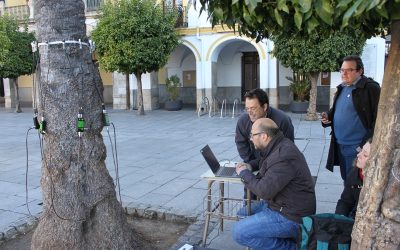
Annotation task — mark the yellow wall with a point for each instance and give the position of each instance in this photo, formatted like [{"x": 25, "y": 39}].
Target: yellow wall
[
  {"x": 106, "y": 77},
  {"x": 25, "y": 81},
  {"x": 11, "y": 3},
  {"x": 162, "y": 75}
]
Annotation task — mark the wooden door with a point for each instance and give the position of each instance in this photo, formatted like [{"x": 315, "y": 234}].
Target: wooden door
[{"x": 250, "y": 72}]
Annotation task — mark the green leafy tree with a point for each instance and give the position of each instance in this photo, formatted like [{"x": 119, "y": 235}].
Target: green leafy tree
[
  {"x": 135, "y": 37},
  {"x": 15, "y": 52},
  {"x": 172, "y": 85},
  {"x": 316, "y": 53},
  {"x": 378, "y": 215}
]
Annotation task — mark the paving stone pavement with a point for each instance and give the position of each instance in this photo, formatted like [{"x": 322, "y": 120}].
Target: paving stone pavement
[{"x": 159, "y": 166}]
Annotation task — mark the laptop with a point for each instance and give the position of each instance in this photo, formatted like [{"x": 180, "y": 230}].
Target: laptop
[{"x": 216, "y": 168}]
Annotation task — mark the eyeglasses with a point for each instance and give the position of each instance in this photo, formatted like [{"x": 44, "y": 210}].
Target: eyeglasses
[
  {"x": 342, "y": 71},
  {"x": 252, "y": 109},
  {"x": 251, "y": 134}
]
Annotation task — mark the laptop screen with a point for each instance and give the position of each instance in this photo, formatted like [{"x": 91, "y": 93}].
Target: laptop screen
[{"x": 210, "y": 158}]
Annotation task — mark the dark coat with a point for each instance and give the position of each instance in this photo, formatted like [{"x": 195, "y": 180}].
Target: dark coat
[
  {"x": 365, "y": 99},
  {"x": 243, "y": 128},
  {"x": 347, "y": 204},
  {"x": 284, "y": 180}
]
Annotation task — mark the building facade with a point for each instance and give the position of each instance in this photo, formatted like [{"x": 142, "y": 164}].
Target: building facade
[{"x": 215, "y": 65}]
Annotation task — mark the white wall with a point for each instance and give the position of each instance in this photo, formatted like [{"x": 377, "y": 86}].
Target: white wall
[
  {"x": 283, "y": 73},
  {"x": 194, "y": 20},
  {"x": 373, "y": 57},
  {"x": 229, "y": 71}
]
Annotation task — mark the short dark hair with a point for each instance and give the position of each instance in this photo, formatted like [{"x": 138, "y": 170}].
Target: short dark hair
[
  {"x": 258, "y": 93},
  {"x": 357, "y": 60}
]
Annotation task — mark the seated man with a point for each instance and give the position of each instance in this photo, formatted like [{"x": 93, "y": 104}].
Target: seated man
[
  {"x": 285, "y": 185},
  {"x": 347, "y": 204}
]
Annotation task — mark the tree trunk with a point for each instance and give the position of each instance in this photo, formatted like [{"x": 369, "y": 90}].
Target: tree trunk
[
  {"x": 140, "y": 93},
  {"x": 377, "y": 223},
  {"x": 128, "y": 93},
  {"x": 17, "y": 104},
  {"x": 312, "y": 106},
  {"x": 80, "y": 208}
]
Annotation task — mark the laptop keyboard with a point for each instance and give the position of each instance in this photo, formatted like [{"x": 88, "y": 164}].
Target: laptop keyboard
[{"x": 227, "y": 171}]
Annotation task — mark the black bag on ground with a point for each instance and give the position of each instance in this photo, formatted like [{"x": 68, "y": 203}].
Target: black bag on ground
[{"x": 325, "y": 232}]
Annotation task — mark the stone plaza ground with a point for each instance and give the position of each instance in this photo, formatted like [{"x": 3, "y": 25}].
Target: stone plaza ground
[{"x": 159, "y": 166}]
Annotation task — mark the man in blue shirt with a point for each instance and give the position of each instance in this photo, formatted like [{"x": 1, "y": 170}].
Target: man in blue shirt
[{"x": 352, "y": 116}]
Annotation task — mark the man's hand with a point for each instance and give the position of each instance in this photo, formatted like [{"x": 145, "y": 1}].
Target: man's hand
[
  {"x": 242, "y": 166},
  {"x": 324, "y": 118}
]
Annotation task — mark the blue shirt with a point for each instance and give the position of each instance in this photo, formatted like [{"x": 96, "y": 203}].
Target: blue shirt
[{"x": 348, "y": 127}]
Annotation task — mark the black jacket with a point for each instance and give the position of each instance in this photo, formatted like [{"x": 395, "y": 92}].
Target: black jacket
[
  {"x": 242, "y": 137},
  {"x": 365, "y": 99},
  {"x": 347, "y": 204},
  {"x": 284, "y": 180}
]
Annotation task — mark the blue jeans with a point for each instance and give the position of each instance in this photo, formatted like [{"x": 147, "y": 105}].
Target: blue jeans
[
  {"x": 265, "y": 229},
  {"x": 347, "y": 155}
]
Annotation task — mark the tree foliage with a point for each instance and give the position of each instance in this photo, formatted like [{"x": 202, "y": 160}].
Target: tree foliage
[
  {"x": 317, "y": 52},
  {"x": 259, "y": 19},
  {"x": 135, "y": 37},
  {"x": 15, "y": 49}
]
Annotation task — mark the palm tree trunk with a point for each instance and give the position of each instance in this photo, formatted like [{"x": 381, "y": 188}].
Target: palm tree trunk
[
  {"x": 377, "y": 223},
  {"x": 80, "y": 208}
]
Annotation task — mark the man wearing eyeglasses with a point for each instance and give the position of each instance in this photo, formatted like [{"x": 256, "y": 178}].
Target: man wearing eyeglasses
[
  {"x": 257, "y": 106},
  {"x": 352, "y": 116},
  {"x": 284, "y": 184}
]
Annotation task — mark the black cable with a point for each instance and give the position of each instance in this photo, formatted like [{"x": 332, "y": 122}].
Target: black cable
[
  {"x": 95, "y": 85},
  {"x": 41, "y": 145},
  {"x": 115, "y": 160},
  {"x": 52, "y": 194},
  {"x": 26, "y": 171}
]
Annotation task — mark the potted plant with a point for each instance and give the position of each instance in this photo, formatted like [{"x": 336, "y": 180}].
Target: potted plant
[
  {"x": 300, "y": 87},
  {"x": 173, "y": 88}
]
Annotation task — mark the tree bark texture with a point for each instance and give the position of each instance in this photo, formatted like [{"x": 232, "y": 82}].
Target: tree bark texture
[
  {"x": 80, "y": 208},
  {"x": 140, "y": 110},
  {"x": 18, "y": 103},
  {"x": 128, "y": 93},
  {"x": 312, "y": 107},
  {"x": 377, "y": 223}
]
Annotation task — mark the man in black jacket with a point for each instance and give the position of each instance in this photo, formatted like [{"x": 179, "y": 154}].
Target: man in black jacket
[
  {"x": 284, "y": 184},
  {"x": 352, "y": 116}
]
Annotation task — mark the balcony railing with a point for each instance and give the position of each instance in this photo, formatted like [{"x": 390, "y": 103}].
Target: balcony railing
[
  {"x": 182, "y": 21},
  {"x": 20, "y": 12},
  {"x": 93, "y": 5}
]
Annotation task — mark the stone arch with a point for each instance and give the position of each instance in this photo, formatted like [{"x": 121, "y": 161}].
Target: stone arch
[{"x": 228, "y": 37}]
